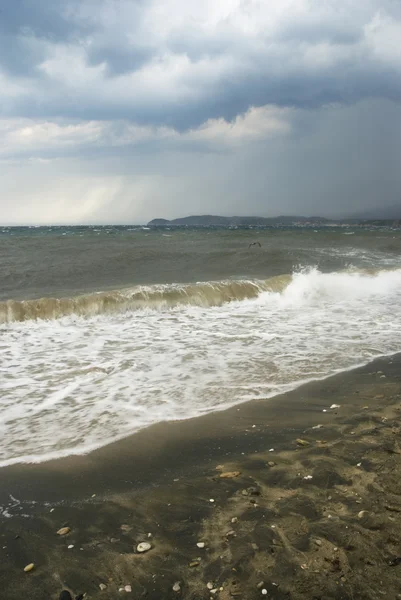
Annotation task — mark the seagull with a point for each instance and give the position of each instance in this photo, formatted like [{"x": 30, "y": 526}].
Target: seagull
[{"x": 255, "y": 244}]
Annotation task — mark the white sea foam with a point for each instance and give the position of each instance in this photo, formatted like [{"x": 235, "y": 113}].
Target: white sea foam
[{"x": 73, "y": 384}]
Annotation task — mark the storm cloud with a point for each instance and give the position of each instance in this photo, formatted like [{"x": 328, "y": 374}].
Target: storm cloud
[{"x": 120, "y": 111}]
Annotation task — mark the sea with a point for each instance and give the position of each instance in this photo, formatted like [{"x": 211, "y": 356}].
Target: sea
[{"x": 107, "y": 330}]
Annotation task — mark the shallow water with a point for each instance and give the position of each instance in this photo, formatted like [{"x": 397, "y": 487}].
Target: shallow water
[{"x": 85, "y": 363}]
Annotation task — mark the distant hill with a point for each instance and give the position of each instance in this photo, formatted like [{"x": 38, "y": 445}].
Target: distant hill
[{"x": 218, "y": 221}]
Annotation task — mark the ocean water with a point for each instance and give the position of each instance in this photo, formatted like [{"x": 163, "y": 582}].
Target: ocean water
[{"x": 106, "y": 330}]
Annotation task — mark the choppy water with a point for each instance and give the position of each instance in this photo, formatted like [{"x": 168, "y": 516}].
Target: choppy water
[{"x": 107, "y": 330}]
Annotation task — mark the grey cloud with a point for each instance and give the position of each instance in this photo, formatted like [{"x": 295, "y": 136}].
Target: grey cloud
[
  {"x": 233, "y": 94},
  {"x": 284, "y": 66},
  {"x": 137, "y": 117},
  {"x": 337, "y": 161},
  {"x": 20, "y": 54},
  {"x": 25, "y": 28},
  {"x": 52, "y": 20},
  {"x": 119, "y": 59},
  {"x": 340, "y": 160}
]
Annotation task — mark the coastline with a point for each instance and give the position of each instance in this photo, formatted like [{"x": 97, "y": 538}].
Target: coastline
[{"x": 161, "y": 481}]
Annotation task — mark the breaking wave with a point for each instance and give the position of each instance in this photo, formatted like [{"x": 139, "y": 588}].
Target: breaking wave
[
  {"x": 77, "y": 383},
  {"x": 157, "y": 297},
  {"x": 305, "y": 283}
]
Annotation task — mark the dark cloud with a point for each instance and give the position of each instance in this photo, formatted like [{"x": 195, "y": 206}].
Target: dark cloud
[
  {"x": 39, "y": 18},
  {"x": 334, "y": 161},
  {"x": 164, "y": 107},
  {"x": 28, "y": 27},
  {"x": 119, "y": 59},
  {"x": 331, "y": 52}
]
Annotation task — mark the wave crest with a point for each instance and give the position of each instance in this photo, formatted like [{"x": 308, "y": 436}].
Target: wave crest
[{"x": 157, "y": 297}]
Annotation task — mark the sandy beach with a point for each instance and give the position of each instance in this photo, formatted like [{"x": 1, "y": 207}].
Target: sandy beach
[{"x": 298, "y": 497}]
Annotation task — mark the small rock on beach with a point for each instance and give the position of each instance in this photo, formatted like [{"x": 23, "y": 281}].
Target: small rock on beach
[
  {"x": 230, "y": 474},
  {"x": 194, "y": 563},
  {"x": 144, "y": 547},
  {"x": 301, "y": 442}
]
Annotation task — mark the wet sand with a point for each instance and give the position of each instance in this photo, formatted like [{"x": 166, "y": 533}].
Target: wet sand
[{"x": 288, "y": 499}]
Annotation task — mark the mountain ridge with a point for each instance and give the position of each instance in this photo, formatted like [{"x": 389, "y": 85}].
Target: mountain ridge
[{"x": 241, "y": 221}]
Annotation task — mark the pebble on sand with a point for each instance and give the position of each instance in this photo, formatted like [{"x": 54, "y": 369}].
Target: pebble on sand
[
  {"x": 302, "y": 442},
  {"x": 201, "y": 544},
  {"x": 64, "y": 531},
  {"x": 102, "y": 587},
  {"x": 144, "y": 547},
  {"x": 194, "y": 563},
  {"x": 128, "y": 588},
  {"x": 177, "y": 586},
  {"x": 29, "y": 567},
  {"x": 362, "y": 514},
  {"x": 230, "y": 474}
]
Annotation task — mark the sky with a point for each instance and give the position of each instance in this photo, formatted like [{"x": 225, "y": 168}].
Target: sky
[{"x": 120, "y": 111}]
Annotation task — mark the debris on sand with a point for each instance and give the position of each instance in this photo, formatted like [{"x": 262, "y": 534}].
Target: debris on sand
[
  {"x": 143, "y": 547},
  {"x": 29, "y": 567},
  {"x": 301, "y": 442},
  {"x": 194, "y": 563}
]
